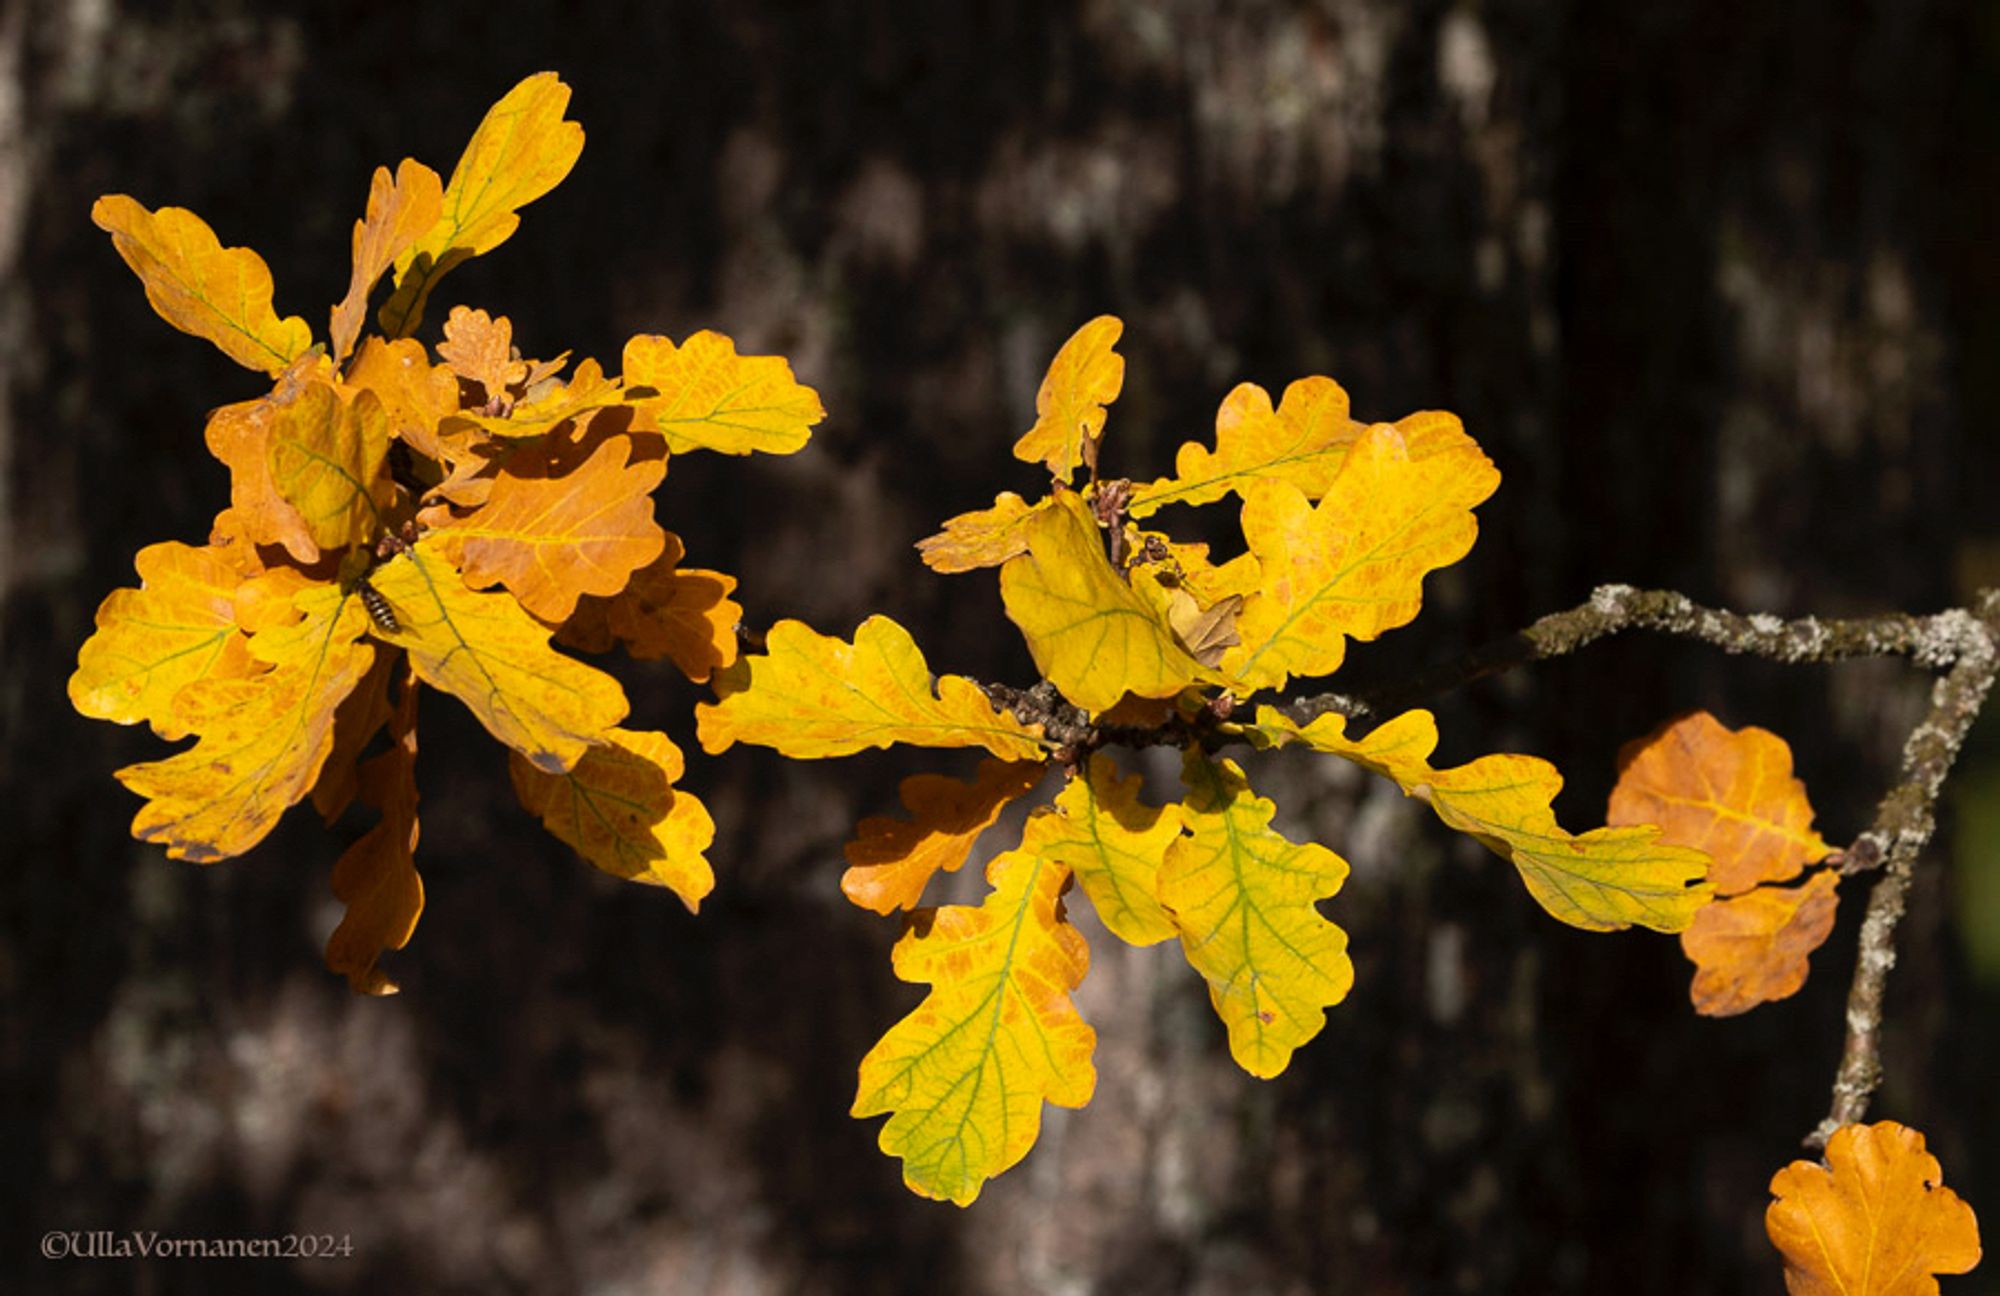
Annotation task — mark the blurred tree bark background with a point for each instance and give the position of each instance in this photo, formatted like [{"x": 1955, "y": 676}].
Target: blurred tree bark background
[{"x": 1712, "y": 283}]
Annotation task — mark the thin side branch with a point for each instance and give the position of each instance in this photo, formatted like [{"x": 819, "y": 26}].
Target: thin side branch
[{"x": 1904, "y": 821}]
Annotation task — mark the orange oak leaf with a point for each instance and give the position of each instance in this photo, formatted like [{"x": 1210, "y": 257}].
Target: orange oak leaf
[
  {"x": 1304, "y": 441},
  {"x": 522, "y": 149},
  {"x": 401, "y": 210},
  {"x": 202, "y": 288},
  {"x": 665, "y": 610},
  {"x": 1353, "y": 566},
  {"x": 358, "y": 719},
  {"x": 262, "y": 740},
  {"x": 326, "y": 458},
  {"x": 1875, "y": 1220},
  {"x": 491, "y": 655},
  {"x": 985, "y": 538},
  {"x": 1729, "y": 792},
  {"x": 376, "y": 877},
  {"x": 809, "y": 695},
  {"x": 554, "y": 529},
  {"x": 240, "y": 436},
  {"x": 417, "y": 394},
  {"x": 1084, "y": 378},
  {"x": 890, "y": 861},
  {"x": 701, "y": 395},
  {"x": 1753, "y": 948},
  {"x": 620, "y": 810},
  {"x": 480, "y": 349},
  {"x": 587, "y": 391},
  {"x": 178, "y": 627}
]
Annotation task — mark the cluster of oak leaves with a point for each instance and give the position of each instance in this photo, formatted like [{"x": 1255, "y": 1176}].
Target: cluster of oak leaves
[{"x": 397, "y": 519}]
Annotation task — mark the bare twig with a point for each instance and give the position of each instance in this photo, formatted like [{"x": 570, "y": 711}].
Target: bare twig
[{"x": 1904, "y": 821}]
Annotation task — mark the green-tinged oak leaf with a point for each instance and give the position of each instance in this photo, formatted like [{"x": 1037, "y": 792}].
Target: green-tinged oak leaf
[
  {"x": 1091, "y": 634},
  {"x": 964, "y": 1076},
  {"x": 1729, "y": 792},
  {"x": 553, "y": 529},
  {"x": 522, "y": 149},
  {"x": 1115, "y": 845},
  {"x": 262, "y": 741},
  {"x": 1084, "y": 378},
  {"x": 1754, "y": 948},
  {"x": 890, "y": 861},
  {"x": 1352, "y": 566},
  {"x": 1304, "y": 442},
  {"x": 483, "y": 649},
  {"x": 178, "y": 627},
  {"x": 376, "y": 877},
  {"x": 326, "y": 460},
  {"x": 701, "y": 395},
  {"x": 985, "y": 538},
  {"x": 1242, "y": 897},
  {"x": 1603, "y": 880},
  {"x": 620, "y": 810},
  {"x": 810, "y": 695},
  {"x": 200, "y": 287},
  {"x": 401, "y": 210},
  {"x": 1875, "y": 1220}
]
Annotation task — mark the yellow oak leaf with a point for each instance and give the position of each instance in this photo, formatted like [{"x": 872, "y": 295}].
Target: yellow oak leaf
[
  {"x": 1242, "y": 897},
  {"x": 356, "y": 721},
  {"x": 491, "y": 655},
  {"x": 1604, "y": 880},
  {"x": 556, "y": 527},
  {"x": 964, "y": 1076},
  {"x": 665, "y": 610},
  {"x": 1115, "y": 845},
  {"x": 985, "y": 538},
  {"x": 376, "y": 877},
  {"x": 701, "y": 395},
  {"x": 326, "y": 460},
  {"x": 202, "y": 288},
  {"x": 1875, "y": 1220},
  {"x": 890, "y": 861},
  {"x": 620, "y": 810},
  {"x": 417, "y": 394},
  {"x": 1082, "y": 380},
  {"x": 587, "y": 392},
  {"x": 1304, "y": 442},
  {"x": 1729, "y": 792},
  {"x": 178, "y": 627},
  {"x": 522, "y": 149},
  {"x": 1353, "y": 566},
  {"x": 480, "y": 349},
  {"x": 262, "y": 740},
  {"x": 401, "y": 210},
  {"x": 240, "y": 436},
  {"x": 1091, "y": 634},
  {"x": 810, "y": 695},
  {"x": 1753, "y": 948}
]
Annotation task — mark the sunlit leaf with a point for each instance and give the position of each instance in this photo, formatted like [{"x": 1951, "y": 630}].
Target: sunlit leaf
[
  {"x": 1085, "y": 376},
  {"x": 620, "y": 810},
  {"x": 480, "y": 349},
  {"x": 891, "y": 860},
  {"x": 262, "y": 740},
  {"x": 1115, "y": 846},
  {"x": 522, "y": 149},
  {"x": 965, "y": 1075},
  {"x": 1090, "y": 633},
  {"x": 401, "y": 210},
  {"x": 200, "y": 287},
  {"x": 376, "y": 877},
  {"x": 492, "y": 656},
  {"x": 1353, "y": 566},
  {"x": 1242, "y": 897},
  {"x": 810, "y": 695},
  {"x": 326, "y": 461},
  {"x": 1753, "y": 948},
  {"x": 985, "y": 538},
  {"x": 1303, "y": 442},
  {"x": 1603, "y": 880},
  {"x": 1729, "y": 792},
  {"x": 665, "y": 610},
  {"x": 417, "y": 394},
  {"x": 701, "y": 395},
  {"x": 240, "y": 436},
  {"x": 1875, "y": 1220}
]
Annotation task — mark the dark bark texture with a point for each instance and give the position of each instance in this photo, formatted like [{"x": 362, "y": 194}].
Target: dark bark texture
[{"x": 1713, "y": 284}]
